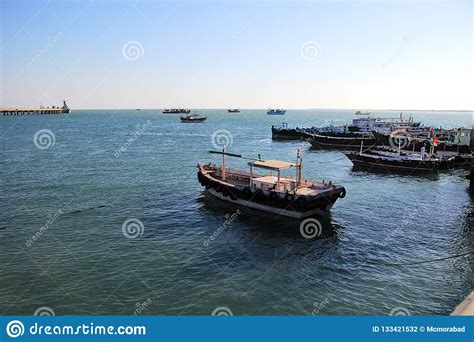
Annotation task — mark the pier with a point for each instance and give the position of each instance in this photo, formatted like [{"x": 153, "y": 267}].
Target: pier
[
  {"x": 36, "y": 111},
  {"x": 466, "y": 308},
  {"x": 30, "y": 111}
]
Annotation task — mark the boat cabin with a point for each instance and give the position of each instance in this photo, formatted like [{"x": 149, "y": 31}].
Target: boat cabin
[{"x": 274, "y": 181}]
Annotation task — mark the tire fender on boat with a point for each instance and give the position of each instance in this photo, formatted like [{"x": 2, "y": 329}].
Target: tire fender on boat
[
  {"x": 246, "y": 193},
  {"x": 219, "y": 187},
  {"x": 343, "y": 193},
  {"x": 225, "y": 192}
]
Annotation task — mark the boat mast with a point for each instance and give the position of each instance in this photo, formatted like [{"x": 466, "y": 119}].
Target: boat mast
[
  {"x": 223, "y": 164},
  {"x": 299, "y": 162}
]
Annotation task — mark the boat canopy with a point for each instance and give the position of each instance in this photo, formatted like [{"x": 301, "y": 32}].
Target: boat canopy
[{"x": 272, "y": 164}]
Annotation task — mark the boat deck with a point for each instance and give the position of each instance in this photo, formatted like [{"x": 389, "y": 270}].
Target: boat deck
[{"x": 241, "y": 178}]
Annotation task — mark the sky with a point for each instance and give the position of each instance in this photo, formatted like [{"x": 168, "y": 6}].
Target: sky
[{"x": 243, "y": 54}]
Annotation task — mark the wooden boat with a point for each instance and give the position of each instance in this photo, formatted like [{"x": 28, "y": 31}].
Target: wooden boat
[
  {"x": 276, "y": 111},
  {"x": 448, "y": 159},
  {"x": 193, "y": 118},
  {"x": 233, "y": 110},
  {"x": 398, "y": 162},
  {"x": 416, "y": 142},
  {"x": 273, "y": 193},
  {"x": 345, "y": 141},
  {"x": 177, "y": 111},
  {"x": 282, "y": 132}
]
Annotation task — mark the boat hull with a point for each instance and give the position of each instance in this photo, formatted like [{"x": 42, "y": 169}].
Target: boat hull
[
  {"x": 193, "y": 120},
  {"x": 289, "y": 134},
  {"x": 395, "y": 166},
  {"x": 269, "y": 209},
  {"x": 323, "y": 142},
  {"x": 277, "y": 113}
]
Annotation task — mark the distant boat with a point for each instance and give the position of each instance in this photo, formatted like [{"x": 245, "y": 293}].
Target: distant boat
[
  {"x": 276, "y": 112},
  {"x": 138, "y": 109},
  {"x": 177, "y": 111},
  {"x": 362, "y": 113},
  {"x": 193, "y": 118},
  {"x": 235, "y": 110}
]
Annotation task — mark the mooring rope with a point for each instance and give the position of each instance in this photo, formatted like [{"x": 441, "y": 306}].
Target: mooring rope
[{"x": 428, "y": 261}]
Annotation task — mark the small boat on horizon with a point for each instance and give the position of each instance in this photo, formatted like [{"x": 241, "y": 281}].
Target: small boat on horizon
[
  {"x": 362, "y": 113},
  {"x": 193, "y": 118},
  {"x": 276, "y": 111},
  {"x": 177, "y": 111},
  {"x": 235, "y": 110},
  {"x": 275, "y": 193}
]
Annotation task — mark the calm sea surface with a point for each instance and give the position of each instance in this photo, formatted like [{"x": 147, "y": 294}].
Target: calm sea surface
[{"x": 106, "y": 167}]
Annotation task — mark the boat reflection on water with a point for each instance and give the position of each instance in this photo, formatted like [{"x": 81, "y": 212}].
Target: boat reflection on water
[{"x": 274, "y": 226}]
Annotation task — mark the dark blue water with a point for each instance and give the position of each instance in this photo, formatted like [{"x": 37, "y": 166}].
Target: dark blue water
[{"x": 107, "y": 167}]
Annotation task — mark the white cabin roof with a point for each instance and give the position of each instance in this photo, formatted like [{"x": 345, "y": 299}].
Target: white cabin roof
[{"x": 272, "y": 164}]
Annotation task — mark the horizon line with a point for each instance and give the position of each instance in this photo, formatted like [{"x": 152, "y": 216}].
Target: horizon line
[{"x": 225, "y": 108}]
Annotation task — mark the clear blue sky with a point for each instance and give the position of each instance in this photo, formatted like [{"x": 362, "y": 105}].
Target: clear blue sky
[{"x": 247, "y": 54}]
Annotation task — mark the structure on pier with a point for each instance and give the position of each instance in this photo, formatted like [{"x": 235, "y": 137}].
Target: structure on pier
[{"x": 32, "y": 111}]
